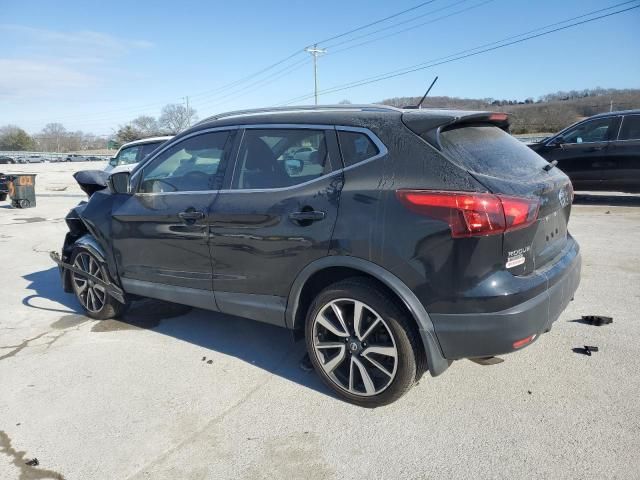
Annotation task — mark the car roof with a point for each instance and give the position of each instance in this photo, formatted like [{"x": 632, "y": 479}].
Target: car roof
[
  {"x": 619, "y": 112},
  {"x": 347, "y": 115},
  {"x": 142, "y": 141}
]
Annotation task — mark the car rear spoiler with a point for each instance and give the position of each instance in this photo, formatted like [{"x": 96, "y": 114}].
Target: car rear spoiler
[{"x": 430, "y": 123}]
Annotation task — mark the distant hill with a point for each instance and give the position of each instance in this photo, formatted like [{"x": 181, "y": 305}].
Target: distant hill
[{"x": 547, "y": 114}]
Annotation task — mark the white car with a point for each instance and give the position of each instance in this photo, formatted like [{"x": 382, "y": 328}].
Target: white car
[{"x": 131, "y": 153}]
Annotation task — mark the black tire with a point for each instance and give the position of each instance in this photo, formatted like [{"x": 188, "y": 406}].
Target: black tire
[
  {"x": 404, "y": 337},
  {"x": 3, "y": 197},
  {"x": 109, "y": 307}
]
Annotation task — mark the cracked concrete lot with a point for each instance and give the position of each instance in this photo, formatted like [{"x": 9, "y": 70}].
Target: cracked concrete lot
[{"x": 176, "y": 393}]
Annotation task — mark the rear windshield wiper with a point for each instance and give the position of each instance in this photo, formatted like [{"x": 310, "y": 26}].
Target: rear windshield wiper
[{"x": 548, "y": 167}]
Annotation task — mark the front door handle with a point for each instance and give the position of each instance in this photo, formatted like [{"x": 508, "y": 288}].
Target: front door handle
[
  {"x": 191, "y": 215},
  {"x": 595, "y": 149},
  {"x": 306, "y": 217}
]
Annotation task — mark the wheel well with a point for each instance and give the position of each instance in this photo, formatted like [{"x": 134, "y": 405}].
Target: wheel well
[{"x": 327, "y": 276}]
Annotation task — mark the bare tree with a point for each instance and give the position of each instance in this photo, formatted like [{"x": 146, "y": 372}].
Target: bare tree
[
  {"x": 52, "y": 138},
  {"x": 175, "y": 118},
  {"x": 146, "y": 125}
]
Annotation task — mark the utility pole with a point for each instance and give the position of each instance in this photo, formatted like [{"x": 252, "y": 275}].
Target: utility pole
[
  {"x": 186, "y": 100},
  {"x": 316, "y": 52},
  {"x": 611, "y": 105}
]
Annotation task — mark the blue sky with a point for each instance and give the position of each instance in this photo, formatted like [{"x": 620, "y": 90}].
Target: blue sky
[{"x": 95, "y": 65}]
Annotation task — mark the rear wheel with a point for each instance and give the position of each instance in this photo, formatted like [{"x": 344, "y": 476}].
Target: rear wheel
[
  {"x": 3, "y": 197},
  {"x": 361, "y": 343},
  {"x": 95, "y": 300}
]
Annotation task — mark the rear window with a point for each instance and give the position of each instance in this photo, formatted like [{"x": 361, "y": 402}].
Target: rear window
[{"x": 491, "y": 151}]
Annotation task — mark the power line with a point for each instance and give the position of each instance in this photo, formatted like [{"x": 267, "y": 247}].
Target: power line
[
  {"x": 461, "y": 55},
  {"x": 412, "y": 27},
  {"x": 376, "y": 22},
  {"x": 251, "y": 76},
  {"x": 397, "y": 24}
]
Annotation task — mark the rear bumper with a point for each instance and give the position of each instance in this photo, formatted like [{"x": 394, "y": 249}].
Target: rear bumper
[{"x": 472, "y": 335}]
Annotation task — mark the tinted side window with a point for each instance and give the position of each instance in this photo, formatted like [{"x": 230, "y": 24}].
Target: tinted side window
[
  {"x": 356, "y": 147},
  {"x": 273, "y": 158},
  {"x": 630, "y": 128},
  {"x": 195, "y": 164},
  {"x": 593, "y": 131}
]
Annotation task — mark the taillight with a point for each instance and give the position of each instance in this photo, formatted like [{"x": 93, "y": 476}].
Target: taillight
[{"x": 472, "y": 214}]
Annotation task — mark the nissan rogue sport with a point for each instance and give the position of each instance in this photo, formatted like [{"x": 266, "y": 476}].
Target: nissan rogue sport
[{"x": 402, "y": 240}]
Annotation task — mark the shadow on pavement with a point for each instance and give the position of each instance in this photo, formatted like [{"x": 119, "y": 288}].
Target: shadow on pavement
[
  {"x": 614, "y": 200},
  {"x": 47, "y": 284},
  {"x": 265, "y": 346}
]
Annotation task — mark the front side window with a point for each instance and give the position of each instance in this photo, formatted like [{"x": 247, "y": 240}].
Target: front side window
[
  {"x": 128, "y": 155},
  {"x": 194, "y": 164},
  {"x": 274, "y": 158},
  {"x": 592, "y": 131},
  {"x": 356, "y": 147},
  {"x": 630, "y": 128}
]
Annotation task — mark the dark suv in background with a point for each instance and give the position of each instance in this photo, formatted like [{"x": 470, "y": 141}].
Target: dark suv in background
[
  {"x": 599, "y": 153},
  {"x": 400, "y": 241}
]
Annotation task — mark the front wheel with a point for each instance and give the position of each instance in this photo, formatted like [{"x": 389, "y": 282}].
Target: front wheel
[
  {"x": 362, "y": 345},
  {"x": 95, "y": 300}
]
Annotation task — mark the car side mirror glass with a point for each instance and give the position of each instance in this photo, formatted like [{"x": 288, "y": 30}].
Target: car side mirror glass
[
  {"x": 113, "y": 161},
  {"x": 119, "y": 182},
  {"x": 293, "y": 166}
]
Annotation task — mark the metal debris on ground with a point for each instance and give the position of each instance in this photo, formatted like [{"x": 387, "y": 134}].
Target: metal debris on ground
[
  {"x": 33, "y": 462},
  {"x": 586, "y": 350},
  {"x": 597, "y": 320}
]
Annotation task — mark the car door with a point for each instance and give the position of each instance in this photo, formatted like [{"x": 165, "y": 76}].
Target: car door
[
  {"x": 274, "y": 217},
  {"x": 160, "y": 233},
  {"x": 582, "y": 150},
  {"x": 624, "y": 156}
]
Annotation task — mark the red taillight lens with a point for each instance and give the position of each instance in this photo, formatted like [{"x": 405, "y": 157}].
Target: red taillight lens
[
  {"x": 519, "y": 212},
  {"x": 524, "y": 341},
  {"x": 471, "y": 214}
]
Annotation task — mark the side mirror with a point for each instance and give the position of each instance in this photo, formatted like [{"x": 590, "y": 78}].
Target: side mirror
[
  {"x": 293, "y": 166},
  {"x": 113, "y": 161},
  {"x": 119, "y": 182}
]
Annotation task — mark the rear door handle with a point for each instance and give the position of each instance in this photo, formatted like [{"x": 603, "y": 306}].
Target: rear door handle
[
  {"x": 305, "y": 217},
  {"x": 191, "y": 215}
]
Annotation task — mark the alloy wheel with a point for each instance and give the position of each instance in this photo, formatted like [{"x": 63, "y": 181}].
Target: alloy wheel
[
  {"x": 355, "y": 347},
  {"x": 90, "y": 294}
]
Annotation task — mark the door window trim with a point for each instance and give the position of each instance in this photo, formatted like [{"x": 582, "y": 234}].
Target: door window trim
[
  {"x": 136, "y": 177},
  {"x": 336, "y": 169},
  {"x": 610, "y": 138}
]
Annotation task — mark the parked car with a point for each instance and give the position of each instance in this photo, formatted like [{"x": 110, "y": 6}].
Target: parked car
[
  {"x": 599, "y": 153},
  {"x": 131, "y": 153},
  {"x": 74, "y": 157},
  {"x": 4, "y": 186},
  {"x": 5, "y": 159},
  {"x": 412, "y": 239},
  {"x": 34, "y": 159}
]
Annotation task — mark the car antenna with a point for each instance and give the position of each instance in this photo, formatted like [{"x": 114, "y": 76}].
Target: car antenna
[{"x": 419, "y": 105}]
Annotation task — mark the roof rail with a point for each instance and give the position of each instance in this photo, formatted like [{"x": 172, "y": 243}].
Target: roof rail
[{"x": 304, "y": 108}]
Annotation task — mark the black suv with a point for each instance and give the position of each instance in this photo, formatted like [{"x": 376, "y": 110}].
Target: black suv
[
  {"x": 400, "y": 241},
  {"x": 599, "y": 153}
]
